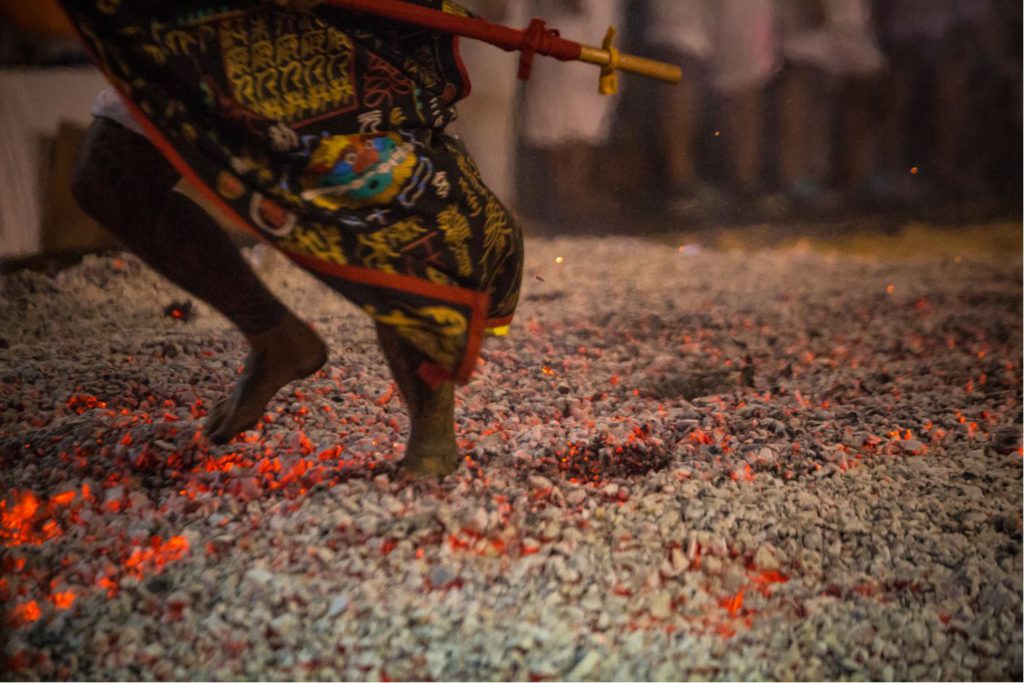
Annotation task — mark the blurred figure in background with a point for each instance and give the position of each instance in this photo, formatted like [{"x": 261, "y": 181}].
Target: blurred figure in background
[
  {"x": 730, "y": 45},
  {"x": 873, "y": 104},
  {"x": 833, "y": 62},
  {"x": 936, "y": 48},
  {"x": 680, "y": 32},
  {"x": 564, "y": 116}
]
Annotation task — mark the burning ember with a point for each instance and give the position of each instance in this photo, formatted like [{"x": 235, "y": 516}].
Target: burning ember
[
  {"x": 767, "y": 468},
  {"x": 179, "y": 310},
  {"x": 607, "y": 457}
]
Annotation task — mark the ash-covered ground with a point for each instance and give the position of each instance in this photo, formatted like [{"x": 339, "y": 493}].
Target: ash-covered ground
[{"x": 682, "y": 464}]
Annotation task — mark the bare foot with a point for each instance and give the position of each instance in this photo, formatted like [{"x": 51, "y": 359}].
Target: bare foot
[
  {"x": 436, "y": 459},
  {"x": 288, "y": 352}
]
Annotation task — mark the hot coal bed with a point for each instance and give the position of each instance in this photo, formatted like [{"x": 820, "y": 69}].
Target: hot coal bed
[{"x": 681, "y": 464}]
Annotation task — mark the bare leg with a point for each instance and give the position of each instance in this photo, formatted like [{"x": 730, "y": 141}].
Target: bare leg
[
  {"x": 124, "y": 183},
  {"x": 744, "y": 116},
  {"x": 951, "y": 112},
  {"x": 677, "y": 127},
  {"x": 794, "y": 166},
  {"x": 431, "y": 450},
  {"x": 860, "y": 146},
  {"x": 898, "y": 93},
  {"x": 578, "y": 202}
]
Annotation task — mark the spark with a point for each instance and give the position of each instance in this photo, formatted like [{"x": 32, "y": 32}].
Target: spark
[{"x": 559, "y": 260}]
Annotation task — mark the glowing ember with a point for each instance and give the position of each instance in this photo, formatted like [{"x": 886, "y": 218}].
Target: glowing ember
[
  {"x": 22, "y": 522},
  {"x": 606, "y": 456},
  {"x": 109, "y": 585},
  {"x": 80, "y": 403},
  {"x": 386, "y": 396},
  {"x": 744, "y": 474},
  {"x": 25, "y": 613},
  {"x": 733, "y": 604},
  {"x": 63, "y": 498},
  {"x": 63, "y": 600},
  {"x": 699, "y": 436},
  {"x": 179, "y": 310},
  {"x": 157, "y": 554},
  {"x": 605, "y": 491}
]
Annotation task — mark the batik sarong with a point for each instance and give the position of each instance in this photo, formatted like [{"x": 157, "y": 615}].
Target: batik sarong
[{"x": 324, "y": 132}]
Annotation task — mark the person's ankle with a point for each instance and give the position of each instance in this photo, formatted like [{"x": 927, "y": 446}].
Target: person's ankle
[{"x": 262, "y": 322}]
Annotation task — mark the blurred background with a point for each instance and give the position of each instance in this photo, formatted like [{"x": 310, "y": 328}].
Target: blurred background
[{"x": 811, "y": 113}]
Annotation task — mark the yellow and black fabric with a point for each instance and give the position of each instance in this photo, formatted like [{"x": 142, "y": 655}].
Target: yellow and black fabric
[{"x": 325, "y": 133}]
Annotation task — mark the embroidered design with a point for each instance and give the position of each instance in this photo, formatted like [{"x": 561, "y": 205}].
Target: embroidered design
[{"x": 325, "y": 132}]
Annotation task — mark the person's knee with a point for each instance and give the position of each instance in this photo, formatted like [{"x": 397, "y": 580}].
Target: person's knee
[{"x": 116, "y": 166}]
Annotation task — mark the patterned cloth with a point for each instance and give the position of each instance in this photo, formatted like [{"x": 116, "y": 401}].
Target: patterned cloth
[{"x": 325, "y": 133}]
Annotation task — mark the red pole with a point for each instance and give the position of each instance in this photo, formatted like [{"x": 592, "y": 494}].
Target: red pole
[{"x": 536, "y": 39}]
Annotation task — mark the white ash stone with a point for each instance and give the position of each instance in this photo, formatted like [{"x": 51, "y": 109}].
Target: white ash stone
[{"x": 902, "y": 555}]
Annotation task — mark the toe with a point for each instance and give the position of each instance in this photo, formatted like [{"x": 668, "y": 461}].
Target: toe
[
  {"x": 215, "y": 419},
  {"x": 239, "y": 418},
  {"x": 219, "y": 438},
  {"x": 428, "y": 468},
  {"x": 221, "y": 435}
]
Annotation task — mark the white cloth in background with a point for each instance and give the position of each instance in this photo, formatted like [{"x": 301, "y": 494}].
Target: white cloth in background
[
  {"x": 109, "y": 105},
  {"x": 737, "y": 38},
  {"x": 33, "y": 104},
  {"x": 686, "y": 26},
  {"x": 561, "y": 102},
  {"x": 845, "y": 45}
]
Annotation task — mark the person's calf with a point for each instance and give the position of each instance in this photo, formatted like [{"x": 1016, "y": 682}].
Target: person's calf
[
  {"x": 124, "y": 182},
  {"x": 431, "y": 450},
  {"x": 117, "y": 171}
]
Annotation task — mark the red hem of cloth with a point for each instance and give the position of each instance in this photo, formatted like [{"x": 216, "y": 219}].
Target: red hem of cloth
[
  {"x": 467, "y": 82},
  {"x": 498, "y": 322},
  {"x": 435, "y": 375},
  {"x": 477, "y": 302}
]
